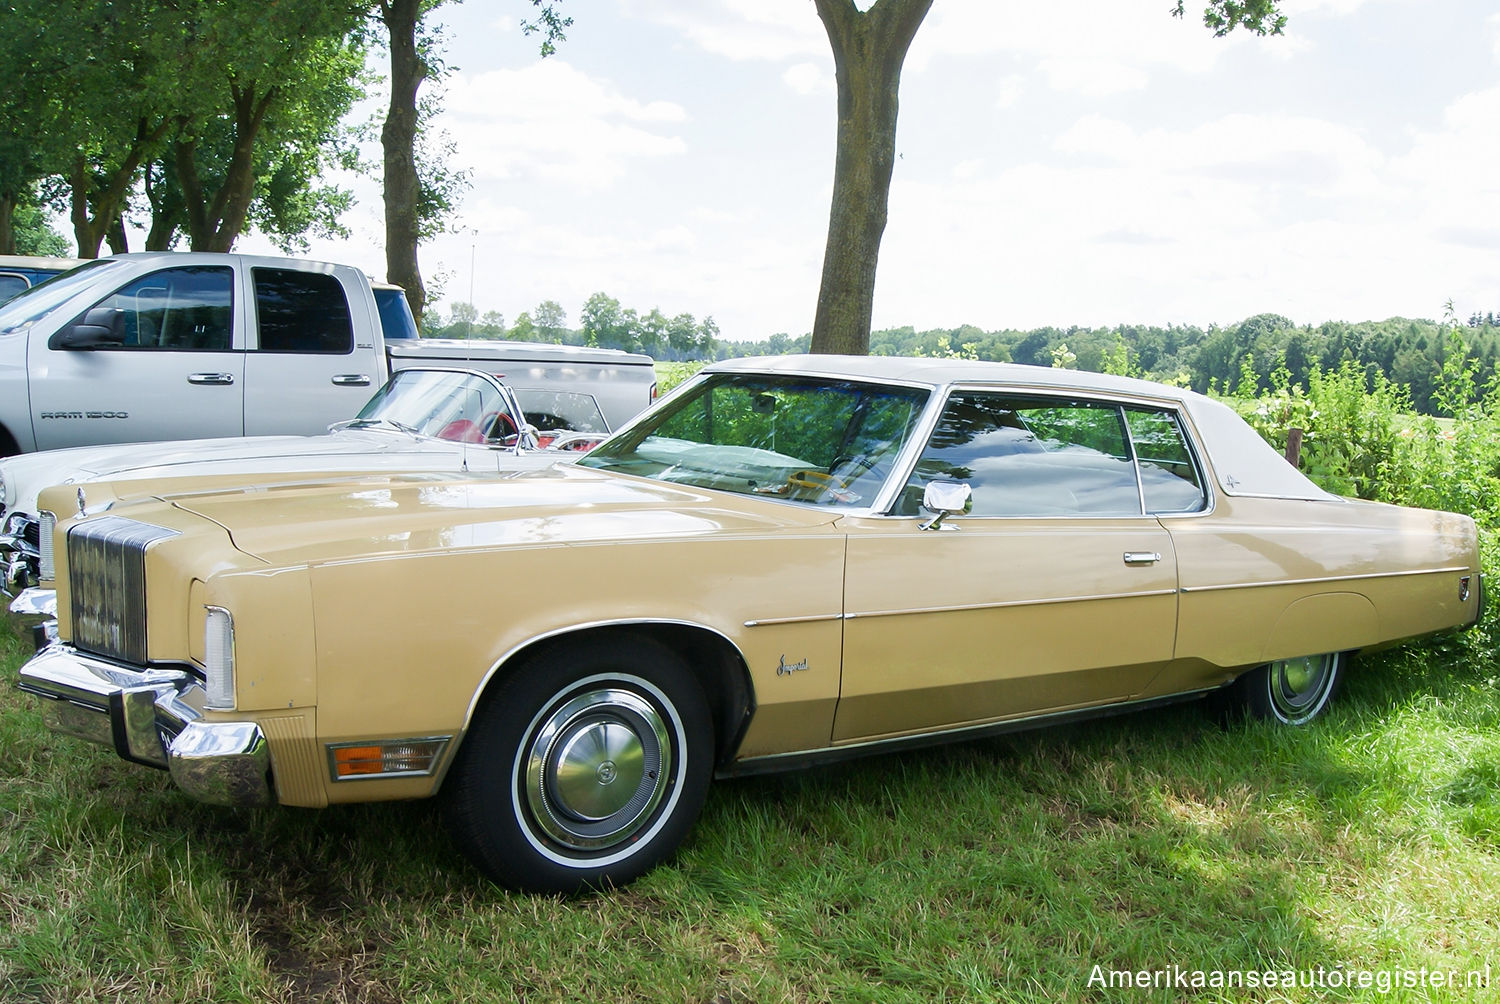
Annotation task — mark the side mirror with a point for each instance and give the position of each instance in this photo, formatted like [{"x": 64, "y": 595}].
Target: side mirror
[
  {"x": 945, "y": 498},
  {"x": 100, "y": 327}
]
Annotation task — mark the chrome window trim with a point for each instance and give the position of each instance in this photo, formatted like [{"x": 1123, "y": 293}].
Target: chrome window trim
[{"x": 943, "y": 393}]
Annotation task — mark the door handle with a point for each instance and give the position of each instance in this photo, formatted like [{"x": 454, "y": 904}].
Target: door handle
[
  {"x": 1142, "y": 557},
  {"x": 352, "y": 380},
  {"x": 213, "y": 379}
]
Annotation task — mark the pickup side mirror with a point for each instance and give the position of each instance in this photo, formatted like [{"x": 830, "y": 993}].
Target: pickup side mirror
[
  {"x": 946, "y": 498},
  {"x": 100, "y": 327}
]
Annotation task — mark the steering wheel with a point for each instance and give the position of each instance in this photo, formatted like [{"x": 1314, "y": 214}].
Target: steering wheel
[
  {"x": 497, "y": 425},
  {"x": 863, "y": 464},
  {"x": 819, "y": 486}
]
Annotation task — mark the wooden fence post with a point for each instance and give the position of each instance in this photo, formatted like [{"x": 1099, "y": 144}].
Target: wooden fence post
[{"x": 1294, "y": 447}]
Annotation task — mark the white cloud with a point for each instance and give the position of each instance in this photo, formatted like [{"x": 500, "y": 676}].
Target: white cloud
[
  {"x": 775, "y": 30},
  {"x": 809, "y": 78},
  {"x": 1009, "y": 90},
  {"x": 551, "y": 120},
  {"x": 1124, "y": 39},
  {"x": 1449, "y": 174},
  {"x": 1315, "y": 157}
]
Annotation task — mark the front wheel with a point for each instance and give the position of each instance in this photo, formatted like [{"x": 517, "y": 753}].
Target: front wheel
[
  {"x": 1290, "y": 691},
  {"x": 584, "y": 769}
]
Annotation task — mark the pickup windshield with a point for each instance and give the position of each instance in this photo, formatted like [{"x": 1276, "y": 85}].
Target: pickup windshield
[
  {"x": 40, "y": 300},
  {"x": 818, "y": 441}
]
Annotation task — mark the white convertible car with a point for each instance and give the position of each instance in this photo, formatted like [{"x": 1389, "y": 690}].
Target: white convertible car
[{"x": 427, "y": 419}]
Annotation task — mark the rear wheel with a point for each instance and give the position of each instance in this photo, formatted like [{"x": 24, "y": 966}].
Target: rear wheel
[
  {"x": 584, "y": 769},
  {"x": 1290, "y": 691}
]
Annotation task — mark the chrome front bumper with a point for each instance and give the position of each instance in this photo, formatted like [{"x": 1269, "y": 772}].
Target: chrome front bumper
[
  {"x": 34, "y": 612},
  {"x": 152, "y": 717}
]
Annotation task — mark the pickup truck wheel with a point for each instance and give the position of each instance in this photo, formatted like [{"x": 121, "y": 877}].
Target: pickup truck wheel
[
  {"x": 1290, "y": 691},
  {"x": 584, "y": 769}
]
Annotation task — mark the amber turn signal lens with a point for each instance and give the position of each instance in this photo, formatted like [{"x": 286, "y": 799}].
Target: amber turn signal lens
[{"x": 351, "y": 761}]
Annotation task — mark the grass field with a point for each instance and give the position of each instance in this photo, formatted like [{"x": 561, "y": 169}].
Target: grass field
[{"x": 1002, "y": 870}]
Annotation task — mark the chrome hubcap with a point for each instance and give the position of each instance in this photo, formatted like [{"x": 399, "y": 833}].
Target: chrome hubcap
[
  {"x": 596, "y": 768},
  {"x": 1298, "y": 685}
]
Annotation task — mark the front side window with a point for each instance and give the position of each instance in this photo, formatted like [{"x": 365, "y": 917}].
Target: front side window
[
  {"x": 1028, "y": 456},
  {"x": 181, "y": 309},
  {"x": 819, "y": 441},
  {"x": 302, "y": 312}
]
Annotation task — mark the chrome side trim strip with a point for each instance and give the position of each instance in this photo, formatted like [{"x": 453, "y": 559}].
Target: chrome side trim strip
[
  {"x": 776, "y": 762},
  {"x": 1001, "y": 604},
  {"x": 1326, "y": 579},
  {"x": 806, "y": 619}
]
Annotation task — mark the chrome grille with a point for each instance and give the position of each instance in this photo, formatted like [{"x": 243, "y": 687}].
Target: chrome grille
[{"x": 107, "y": 585}]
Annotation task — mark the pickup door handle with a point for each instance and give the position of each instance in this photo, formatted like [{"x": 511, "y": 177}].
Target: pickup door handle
[
  {"x": 352, "y": 380},
  {"x": 1142, "y": 557},
  {"x": 215, "y": 379}
]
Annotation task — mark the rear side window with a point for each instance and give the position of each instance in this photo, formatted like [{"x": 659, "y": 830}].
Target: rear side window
[
  {"x": 1169, "y": 478},
  {"x": 302, "y": 312},
  {"x": 180, "y": 309},
  {"x": 12, "y": 284},
  {"x": 1057, "y": 457},
  {"x": 396, "y": 321}
]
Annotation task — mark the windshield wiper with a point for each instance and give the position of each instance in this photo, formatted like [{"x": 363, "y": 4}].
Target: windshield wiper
[{"x": 365, "y": 423}]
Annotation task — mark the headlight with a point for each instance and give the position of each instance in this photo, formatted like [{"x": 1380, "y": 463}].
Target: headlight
[
  {"x": 47, "y": 561},
  {"x": 218, "y": 659},
  {"x": 4, "y": 492}
]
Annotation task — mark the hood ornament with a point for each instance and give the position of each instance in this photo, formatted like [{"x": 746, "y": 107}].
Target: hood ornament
[{"x": 82, "y": 502}]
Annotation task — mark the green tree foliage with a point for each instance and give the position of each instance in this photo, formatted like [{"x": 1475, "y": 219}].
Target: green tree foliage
[
  {"x": 32, "y": 234},
  {"x": 33, "y": 138},
  {"x": 203, "y": 89},
  {"x": 602, "y": 323},
  {"x": 255, "y": 155}
]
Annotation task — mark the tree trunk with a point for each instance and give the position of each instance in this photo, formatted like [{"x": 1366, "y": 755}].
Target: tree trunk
[
  {"x": 868, "y": 50},
  {"x": 167, "y": 209},
  {"x": 109, "y": 197},
  {"x": 116, "y": 238},
  {"x": 7, "y": 224},
  {"x": 398, "y": 137},
  {"x": 216, "y": 226}
]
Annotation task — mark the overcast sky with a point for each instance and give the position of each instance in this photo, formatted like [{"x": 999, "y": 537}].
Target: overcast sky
[{"x": 1092, "y": 162}]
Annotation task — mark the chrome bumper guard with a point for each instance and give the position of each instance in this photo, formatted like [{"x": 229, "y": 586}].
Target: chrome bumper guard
[
  {"x": 34, "y": 612},
  {"x": 152, "y": 717},
  {"x": 20, "y": 553}
]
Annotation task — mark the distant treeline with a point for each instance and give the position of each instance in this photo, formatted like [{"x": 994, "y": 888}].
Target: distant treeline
[{"x": 1408, "y": 352}]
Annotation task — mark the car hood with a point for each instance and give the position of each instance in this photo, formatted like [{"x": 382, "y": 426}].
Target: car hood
[
  {"x": 254, "y": 457},
  {"x": 413, "y": 513}
]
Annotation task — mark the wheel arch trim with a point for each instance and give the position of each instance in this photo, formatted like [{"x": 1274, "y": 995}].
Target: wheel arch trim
[{"x": 727, "y": 686}]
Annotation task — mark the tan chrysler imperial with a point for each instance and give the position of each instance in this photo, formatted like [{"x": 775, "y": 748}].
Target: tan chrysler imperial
[{"x": 786, "y": 561}]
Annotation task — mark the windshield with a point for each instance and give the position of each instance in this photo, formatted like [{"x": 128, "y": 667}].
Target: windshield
[
  {"x": 818, "y": 441},
  {"x": 557, "y": 411},
  {"x": 442, "y": 404},
  {"x": 40, "y": 300}
]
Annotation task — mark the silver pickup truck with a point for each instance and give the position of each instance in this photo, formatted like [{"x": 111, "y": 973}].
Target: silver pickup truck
[{"x": 172, "y": 345}]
